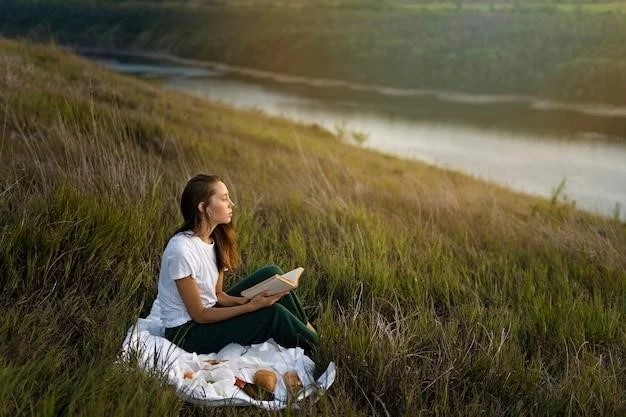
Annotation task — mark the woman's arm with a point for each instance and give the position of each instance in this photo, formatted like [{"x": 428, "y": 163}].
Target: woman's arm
[
  {"x": 224, "y": 299},
  {"x": 188, "y": 290}
]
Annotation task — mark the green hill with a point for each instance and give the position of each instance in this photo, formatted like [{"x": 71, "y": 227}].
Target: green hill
[{"x": 434, "y": 293}]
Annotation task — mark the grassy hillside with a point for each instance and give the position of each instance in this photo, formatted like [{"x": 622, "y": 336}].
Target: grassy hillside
[
  {"x": 435, "y": 294},
  {"x": 544, "y": 50}
]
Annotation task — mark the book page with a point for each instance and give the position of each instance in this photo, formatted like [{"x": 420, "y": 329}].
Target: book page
[
  {"x": 292, "y": 276},
  {"x": 275, "y": 284}
]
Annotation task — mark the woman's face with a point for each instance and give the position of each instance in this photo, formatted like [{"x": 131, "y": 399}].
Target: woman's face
[{"x": 220, "y": 208}]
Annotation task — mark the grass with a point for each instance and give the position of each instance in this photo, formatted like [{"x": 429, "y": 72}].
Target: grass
[{"x": 434, "y": 293}]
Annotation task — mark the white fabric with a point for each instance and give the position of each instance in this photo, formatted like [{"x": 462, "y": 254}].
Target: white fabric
[
  {"x": 214, "y": 385},
  {"x": 186, "y": 255}
]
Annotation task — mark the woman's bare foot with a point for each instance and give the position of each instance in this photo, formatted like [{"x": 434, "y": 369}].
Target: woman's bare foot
[{"x": 310, "y": 326}]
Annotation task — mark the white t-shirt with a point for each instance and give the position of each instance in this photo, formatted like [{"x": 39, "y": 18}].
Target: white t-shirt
[{"x": 186, "y": 255}]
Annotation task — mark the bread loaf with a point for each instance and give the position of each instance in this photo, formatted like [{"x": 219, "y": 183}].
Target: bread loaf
[
  {"x": 292, "y": 381},
  {"x": 265, "y": 379}
]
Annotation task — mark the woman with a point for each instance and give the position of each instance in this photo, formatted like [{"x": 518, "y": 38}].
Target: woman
[{"x": 198, "y": 315}]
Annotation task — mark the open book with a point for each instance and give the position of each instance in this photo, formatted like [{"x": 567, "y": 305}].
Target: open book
[{"x": 275, "y": 284}]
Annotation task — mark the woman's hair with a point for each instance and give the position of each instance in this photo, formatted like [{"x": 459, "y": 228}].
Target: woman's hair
[{"x": 200, "y": 189}]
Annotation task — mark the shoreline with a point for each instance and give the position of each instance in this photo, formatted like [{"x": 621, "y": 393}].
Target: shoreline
[{"x": 536, "y": 103}]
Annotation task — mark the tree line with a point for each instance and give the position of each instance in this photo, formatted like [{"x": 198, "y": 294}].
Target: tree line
[{"x": 567, "y": 56}]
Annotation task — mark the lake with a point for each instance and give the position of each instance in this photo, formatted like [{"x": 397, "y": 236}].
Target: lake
[{"x": 524, "y": 143}]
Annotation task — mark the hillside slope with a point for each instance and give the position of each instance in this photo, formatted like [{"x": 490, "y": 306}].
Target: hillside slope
[{"x": 435, "y": 294}]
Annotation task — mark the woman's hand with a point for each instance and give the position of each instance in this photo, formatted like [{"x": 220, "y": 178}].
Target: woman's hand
[{"x": 263, "y": 300}]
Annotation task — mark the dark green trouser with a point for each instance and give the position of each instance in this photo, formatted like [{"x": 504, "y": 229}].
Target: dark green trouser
[{"x": 284, "y": 321}]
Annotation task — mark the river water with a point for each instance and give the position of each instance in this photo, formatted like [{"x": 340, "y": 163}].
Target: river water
[{"x": 523, "y": 143}]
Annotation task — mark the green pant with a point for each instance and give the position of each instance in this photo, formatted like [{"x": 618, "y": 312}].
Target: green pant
[{"x": 284, "y": 321}]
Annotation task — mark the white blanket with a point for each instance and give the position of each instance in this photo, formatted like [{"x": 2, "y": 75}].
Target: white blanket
[{"x": 210, "y": 379}]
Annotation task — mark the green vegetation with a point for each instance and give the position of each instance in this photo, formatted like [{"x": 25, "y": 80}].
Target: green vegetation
[
  {"x": 435, "y": 294},
  {"x": 570, "y": 51}
]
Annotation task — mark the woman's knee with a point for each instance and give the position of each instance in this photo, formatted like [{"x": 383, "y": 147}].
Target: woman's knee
[{"x": 269, "y": 270}]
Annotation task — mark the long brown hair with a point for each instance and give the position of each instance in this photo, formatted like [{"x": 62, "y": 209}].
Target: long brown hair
[{"x": 200, "y": 189}]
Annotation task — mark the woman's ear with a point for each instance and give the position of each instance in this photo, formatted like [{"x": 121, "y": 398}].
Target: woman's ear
[{"x": 202, "y": 208}]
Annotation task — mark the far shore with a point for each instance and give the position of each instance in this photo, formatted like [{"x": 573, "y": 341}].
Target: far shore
[{"x": 589, "y": 108}]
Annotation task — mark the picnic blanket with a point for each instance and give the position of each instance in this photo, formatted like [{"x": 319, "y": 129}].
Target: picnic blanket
[{"x": 210, "y": 379}]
